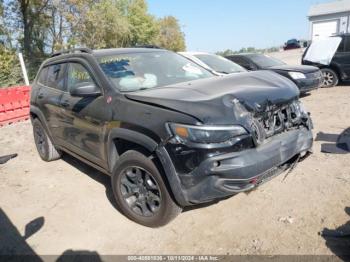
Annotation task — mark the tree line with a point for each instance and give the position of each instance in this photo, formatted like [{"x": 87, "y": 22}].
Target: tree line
[
  {"x": 229, "y": 52},
  {"x": 38, "y": 28}
]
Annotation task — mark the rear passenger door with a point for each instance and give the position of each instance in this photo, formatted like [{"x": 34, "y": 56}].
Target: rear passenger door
[
  {"x": 84, "y": 118},
  {"x": 52, "y": 87}
]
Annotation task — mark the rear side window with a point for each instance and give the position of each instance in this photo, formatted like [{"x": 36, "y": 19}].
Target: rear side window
[
  {"x": 56, "y": 77},
  {"x": 77, "y": 75},
  {"x": 241, "y": 61}
]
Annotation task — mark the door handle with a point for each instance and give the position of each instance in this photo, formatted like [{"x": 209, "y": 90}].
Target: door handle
[
  {"x": 65, "y": 104},
  {"x": 41, "y": 95}
]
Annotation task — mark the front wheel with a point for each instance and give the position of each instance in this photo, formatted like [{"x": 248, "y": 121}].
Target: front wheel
[
  {"x": 140, "y": 191},
  {"x": 330, "y": 77}
]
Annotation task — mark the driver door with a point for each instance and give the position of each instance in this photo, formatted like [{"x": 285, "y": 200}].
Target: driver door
[{"x": 84, "y": 118}]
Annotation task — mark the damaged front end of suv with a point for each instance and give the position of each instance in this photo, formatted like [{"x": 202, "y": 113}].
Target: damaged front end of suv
[
  {"x": 243, "y": 136},
  {"x": 168, "y": 132}
]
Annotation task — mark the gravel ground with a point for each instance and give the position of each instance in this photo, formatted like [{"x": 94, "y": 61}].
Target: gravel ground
[{"x": 75, "y": 205}]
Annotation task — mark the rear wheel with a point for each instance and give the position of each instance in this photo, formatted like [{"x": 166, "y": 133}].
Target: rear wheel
[
  {"x": 330, "y": 77},
  {"x": 140, "y": 191},
  {"x": 46, "y": 149}
]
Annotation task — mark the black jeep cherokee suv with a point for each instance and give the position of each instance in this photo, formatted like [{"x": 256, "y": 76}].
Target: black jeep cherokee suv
[{"x": 168, "y": 133}]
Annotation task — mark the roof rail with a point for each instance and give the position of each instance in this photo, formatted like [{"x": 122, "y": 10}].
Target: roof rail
[{"x": 71, "y": 51}]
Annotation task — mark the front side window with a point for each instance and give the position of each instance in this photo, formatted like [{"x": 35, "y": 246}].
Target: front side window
[
  {"x": 220, "y": 64},
  {"x": 56, "y": 76},
  {"x": 78, "y": 75},
  {"x": 145, "y": 70},
  {"x": 264, "y": 61}
]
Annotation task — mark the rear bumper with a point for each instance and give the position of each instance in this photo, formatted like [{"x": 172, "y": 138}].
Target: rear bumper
[{"x": 227, "y": 174}]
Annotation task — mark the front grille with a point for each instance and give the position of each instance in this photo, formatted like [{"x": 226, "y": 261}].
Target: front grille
[{"x": 275, "y": 120}]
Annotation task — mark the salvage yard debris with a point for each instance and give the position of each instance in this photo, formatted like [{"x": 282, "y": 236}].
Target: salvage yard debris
[
  {"x": 4, "y": 159},
  {"x": 339, "y": 144}
]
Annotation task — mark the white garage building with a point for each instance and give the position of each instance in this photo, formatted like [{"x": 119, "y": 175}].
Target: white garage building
[{"x": 329, "y": 19}]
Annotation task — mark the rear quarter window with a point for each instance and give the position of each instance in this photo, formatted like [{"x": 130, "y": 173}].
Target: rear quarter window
[{"x": 43, "y": 76}]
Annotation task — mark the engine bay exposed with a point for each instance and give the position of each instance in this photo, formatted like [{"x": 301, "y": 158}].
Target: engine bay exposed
[
  {"x": 278, "y": 119},
  {"x": 269, "y": 119}
]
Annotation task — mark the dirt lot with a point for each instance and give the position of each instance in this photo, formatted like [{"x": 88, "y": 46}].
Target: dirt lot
[{"x": 75, "y": 201}]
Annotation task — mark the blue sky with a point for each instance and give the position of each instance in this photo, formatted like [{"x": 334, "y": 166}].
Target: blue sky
[{"x": 217, "y": 25}]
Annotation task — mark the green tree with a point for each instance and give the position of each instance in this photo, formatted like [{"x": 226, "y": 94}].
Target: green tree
[
  {"x": 170, "y": 35},
  {"x": 10, "y": 70},
  {"x": 40, "y": 27},
  {"x": 5, "y": 36},
  {"x": 28, "y": 23},
  {"x": 30, "y": 16},
  {"x": 97, "y": 25},
  {"x": 143, "y": 26},
  {"x": 226, "y": 53},
  {"x": 2, "y": 26}
]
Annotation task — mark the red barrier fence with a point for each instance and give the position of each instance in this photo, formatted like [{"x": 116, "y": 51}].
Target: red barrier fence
[{"x": 14, "y": 104}]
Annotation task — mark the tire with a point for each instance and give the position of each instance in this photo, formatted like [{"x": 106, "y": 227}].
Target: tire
[
  {"x": 141, "y": 192},
  {"x": 46, "y": 149},
  {"x": 330, "y": 77}
]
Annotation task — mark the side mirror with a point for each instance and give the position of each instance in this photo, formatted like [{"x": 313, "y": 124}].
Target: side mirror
[{"x": 85, "y": 89}]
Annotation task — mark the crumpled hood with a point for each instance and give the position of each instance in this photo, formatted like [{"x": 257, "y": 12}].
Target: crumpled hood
[
  {"x": 297, "y": 68},
  {"x": 211, "y": 100}
]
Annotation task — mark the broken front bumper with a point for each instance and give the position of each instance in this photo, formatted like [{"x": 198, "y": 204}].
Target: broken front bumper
[{"x": 230, "y": 173}]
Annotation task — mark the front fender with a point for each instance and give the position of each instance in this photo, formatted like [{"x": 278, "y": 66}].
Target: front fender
[
  {"x": 152, "y": 146},
  {"x": 129, "y": 135}
]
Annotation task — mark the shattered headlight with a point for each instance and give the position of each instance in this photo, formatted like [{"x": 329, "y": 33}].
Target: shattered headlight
[
  {"x": 205, "y": 134},
  {"x": 297, "y": 75}
]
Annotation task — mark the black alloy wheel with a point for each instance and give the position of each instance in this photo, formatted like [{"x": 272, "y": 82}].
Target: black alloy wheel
[{"x": 140, "y": 191}]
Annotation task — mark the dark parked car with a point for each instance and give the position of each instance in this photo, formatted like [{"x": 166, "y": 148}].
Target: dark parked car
[
  {"x": 307, "y": 78},
  {"x": 167, "y": 131},
  {"x": 339, "y": 68},
  {"x": 292, "y": 44}
]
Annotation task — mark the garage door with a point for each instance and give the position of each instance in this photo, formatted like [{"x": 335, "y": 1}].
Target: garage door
[{"x": 324, "y": 29}]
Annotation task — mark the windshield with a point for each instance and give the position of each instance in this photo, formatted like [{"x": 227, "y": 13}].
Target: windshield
[
  {"x": 264, "y": 61},
  {"x": 220, "y": 64},
  {"x": 139, "y": 71}
]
